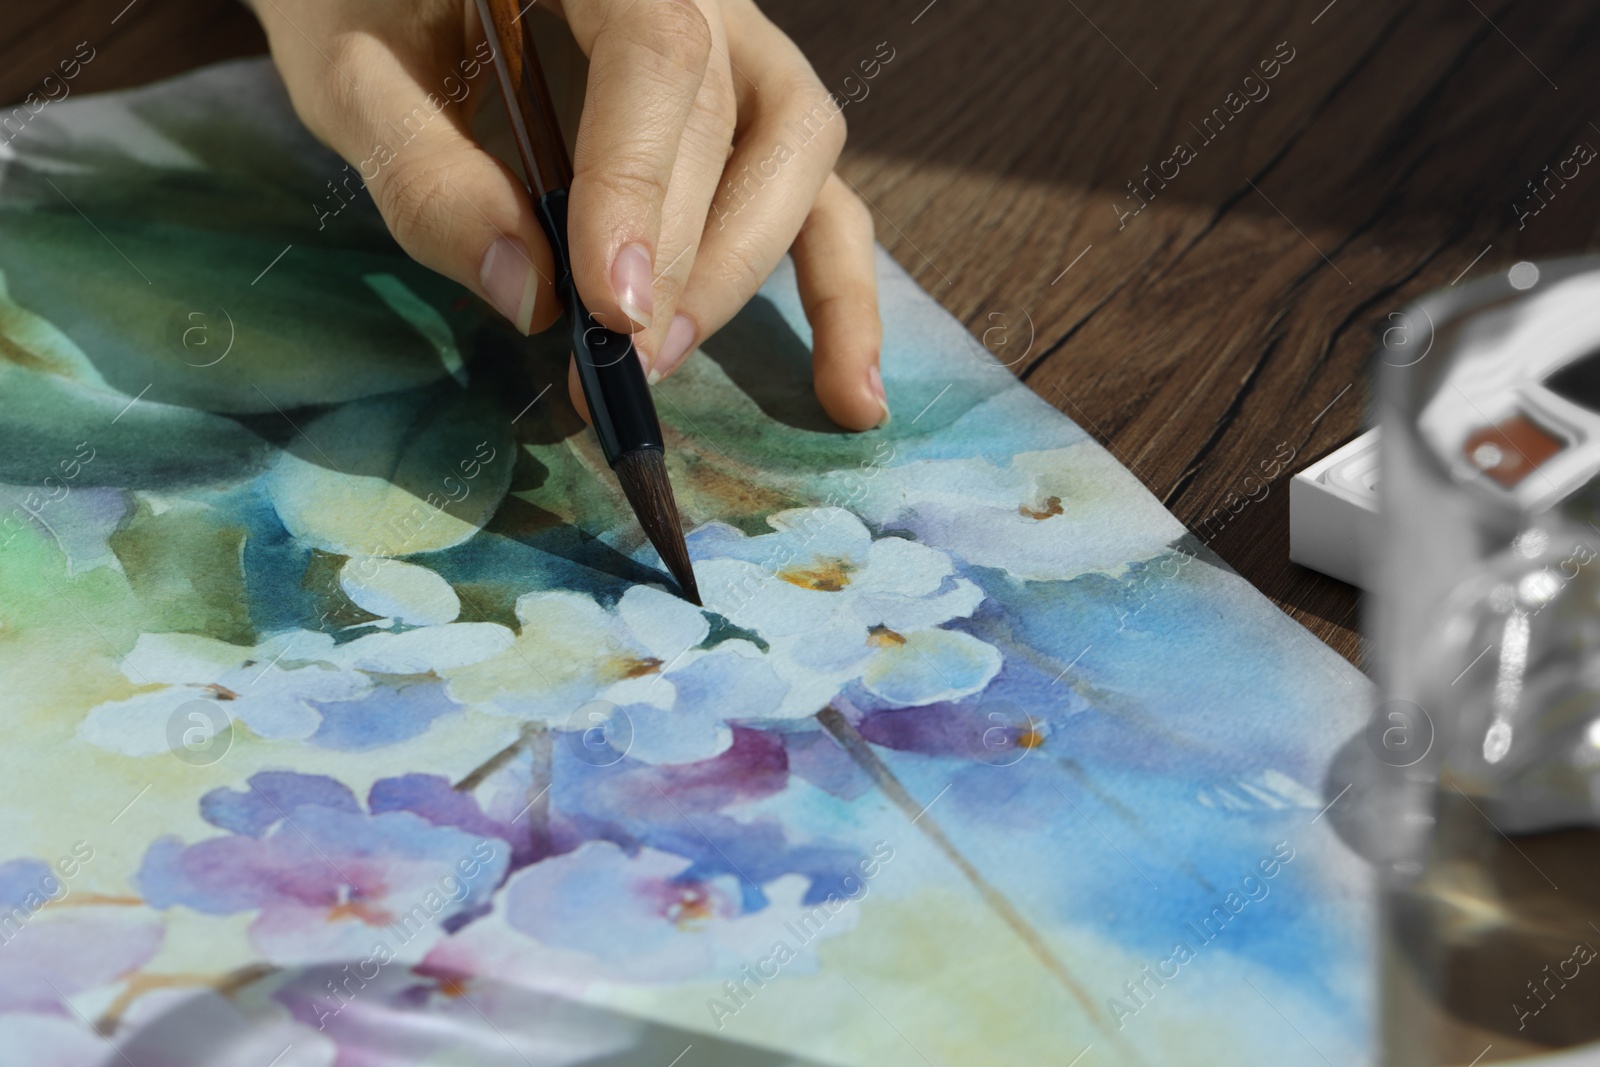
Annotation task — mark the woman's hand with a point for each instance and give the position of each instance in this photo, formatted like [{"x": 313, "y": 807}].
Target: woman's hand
[{"x": 705, "y": 152}]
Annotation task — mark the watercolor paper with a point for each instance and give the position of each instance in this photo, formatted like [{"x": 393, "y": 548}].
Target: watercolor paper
[{"x": 344, "y": 699}]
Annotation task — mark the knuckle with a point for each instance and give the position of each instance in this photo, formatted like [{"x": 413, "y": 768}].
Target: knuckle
[
  {"x": 718, "y": 106},
  {"x": 346, "y": 53},
  {"x": 636, "y": 180},
  {"x": 677, "y": 32},
  {"x": 817, "y": 118},
  {"x": 845, "y": 306},
  {"x": 835, "y": 135},
  {"x": 708, "y": 139},
  {"x": 857, "y": 212},
  {"x": 412, "y": 201},
  {"x": 742, "y": 267}
]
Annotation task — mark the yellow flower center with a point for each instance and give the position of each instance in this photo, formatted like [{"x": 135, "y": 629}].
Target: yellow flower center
[
  {"x": 691, "y": 908},
  {"x": 1052, "y": 506},
  {"x": 637, "y": 668},
  {"x": 883, "y": 637},
  {"x": 829, "y": 574}
]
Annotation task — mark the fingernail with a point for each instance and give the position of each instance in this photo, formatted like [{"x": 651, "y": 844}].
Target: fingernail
[
  {"x": 630, "y": 281},
  {"x": 674, "y": 347},
  {"x": 509, "y": 281},
  {"x": 875, "y": 381}
]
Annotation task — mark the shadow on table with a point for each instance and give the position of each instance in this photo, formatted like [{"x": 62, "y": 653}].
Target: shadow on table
[{"x": 1402, "y": 120}]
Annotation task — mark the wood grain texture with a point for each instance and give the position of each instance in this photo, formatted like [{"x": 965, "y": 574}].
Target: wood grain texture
[
  {"x": 1229, "y": 321},
  {"x": 1235, "y": 315},
  {"x": 134, "y": 43},
  {"x": 541, "y": 146}
]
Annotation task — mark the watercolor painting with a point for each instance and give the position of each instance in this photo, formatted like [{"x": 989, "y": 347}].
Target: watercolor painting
[{"x": 342, "y": 686}]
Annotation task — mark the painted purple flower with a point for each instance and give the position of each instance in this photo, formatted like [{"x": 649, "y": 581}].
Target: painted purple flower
[
  {"x": 57, "y": 941},
  {"x": 504, "y": 814},
  {"x": 689, "y": 810},
  {"x": 327, "y": 879}
]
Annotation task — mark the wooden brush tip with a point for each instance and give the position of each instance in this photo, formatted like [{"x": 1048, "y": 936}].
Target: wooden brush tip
[{"x": 643, "y": 474}]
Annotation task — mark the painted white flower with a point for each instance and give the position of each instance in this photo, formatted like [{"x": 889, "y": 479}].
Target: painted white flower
[
  {"x": 269, "y": 688},
  {"x": 572, "y": 651},
  {"x": 832, "y": 606},
  {"x": 836, "y": 607},
  {"x": 275, "y": 687},
  {"x": 51, "y": 1040},
  {"x": 1040, "y": 516},
  {"x": 638, "y": 667},
  {"x": 419, "y": 608},
  {"x": 394, "y": 589}
]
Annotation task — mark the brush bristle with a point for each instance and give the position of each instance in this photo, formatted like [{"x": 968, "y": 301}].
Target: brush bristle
[{"x": 643, "y": 474}]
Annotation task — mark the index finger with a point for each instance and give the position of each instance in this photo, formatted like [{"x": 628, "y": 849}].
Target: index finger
[{"x": 647, "y": 59}]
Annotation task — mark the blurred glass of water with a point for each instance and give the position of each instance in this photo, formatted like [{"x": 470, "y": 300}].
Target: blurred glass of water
[{"x": 1487, "y": 629}]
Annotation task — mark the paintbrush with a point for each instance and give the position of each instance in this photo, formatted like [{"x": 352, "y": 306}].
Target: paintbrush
[{"x": 613, "y": 379}]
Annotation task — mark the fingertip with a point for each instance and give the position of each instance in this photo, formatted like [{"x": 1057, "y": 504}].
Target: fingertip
[
  {"x": 879, "y": 393},
  {"x": 575, "y": 391},
  {"x": 509, "y": 282},
  {"x": 835, "y": 270},
  {"x": 459, "y": 211},
  {"x": 547, "y": 309},
  {"x": 675, "y": 347},
  {"x": 854, "y": 399},
  {"x": 847, "y": 340},
  {"x": 632, "y": 284}
]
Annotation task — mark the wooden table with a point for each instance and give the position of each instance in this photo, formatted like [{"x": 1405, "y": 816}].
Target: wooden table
[{"x": 1228, "y": 321}]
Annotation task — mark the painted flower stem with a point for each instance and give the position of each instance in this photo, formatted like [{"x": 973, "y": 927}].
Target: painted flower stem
[
  {"x": 535, "y": 737},
  {"x": 143, "y": 982},
  {"x": 860, "y": 750}
]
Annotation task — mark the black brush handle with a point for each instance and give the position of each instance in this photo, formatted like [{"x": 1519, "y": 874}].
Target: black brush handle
[{"x": 608, "y": 366}]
